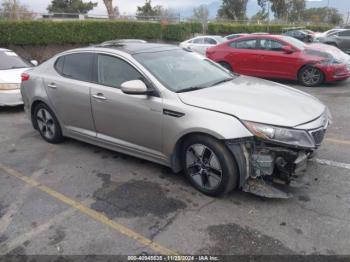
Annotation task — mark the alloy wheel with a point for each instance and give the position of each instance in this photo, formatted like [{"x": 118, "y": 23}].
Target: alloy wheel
[
  {"x": 46, "y": 123},
  {"x": 311, "y": 76},
  {"x": 203, "y": 166}
]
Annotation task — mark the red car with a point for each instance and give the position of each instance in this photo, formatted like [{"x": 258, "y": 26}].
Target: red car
[{"x": 282, "y": 57}]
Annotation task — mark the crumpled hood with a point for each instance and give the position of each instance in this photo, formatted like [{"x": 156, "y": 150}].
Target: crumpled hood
[
  {"x": 257, "y": 100},
  {"x": 326, "y": 51},
  {"x": 12, "y": 76}
]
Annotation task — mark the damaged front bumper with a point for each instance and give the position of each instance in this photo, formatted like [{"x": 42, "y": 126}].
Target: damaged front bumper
[{"x": 262, "y": 165}]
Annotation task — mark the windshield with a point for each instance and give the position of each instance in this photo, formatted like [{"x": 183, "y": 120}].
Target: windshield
[
  {"x": 10, "y": 60},
  {"x": 180, "y": 70},
  {"x": 295, "y": 42}
]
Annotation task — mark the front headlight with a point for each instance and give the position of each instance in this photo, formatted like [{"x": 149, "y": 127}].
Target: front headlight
[
  {"x": 9, "y": 86},
  {"x": 287, "y": 136},
  {"x": 332, "y": 61},
  {"x": 329, "y": 116}
]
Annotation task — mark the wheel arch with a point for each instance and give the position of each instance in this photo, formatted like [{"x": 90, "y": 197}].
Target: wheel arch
[
  {"x": 225, "y": 62},
  {"x": 175, "y": 159},
  {"x": 309, "y": 64}
]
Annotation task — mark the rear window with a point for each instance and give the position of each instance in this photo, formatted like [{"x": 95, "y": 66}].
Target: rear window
[
  {"x": 10, "y": 60},
  {"x": 244, "y": 44},
  {"x": 76, "y": 66}
]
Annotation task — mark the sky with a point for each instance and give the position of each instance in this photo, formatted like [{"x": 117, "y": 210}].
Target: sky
[
  {"x": 184, "y": 7},
  {"x": 125, "y": 6}
]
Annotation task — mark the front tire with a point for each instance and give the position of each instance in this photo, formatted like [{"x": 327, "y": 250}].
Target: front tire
[
  {"x": 47, "y": 124},
  {"x": 311, "y": 76},
  {"x": 209, "y": 166}
]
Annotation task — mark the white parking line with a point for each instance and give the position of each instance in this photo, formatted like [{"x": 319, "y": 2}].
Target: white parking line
[{"x": 331, "y": 163}]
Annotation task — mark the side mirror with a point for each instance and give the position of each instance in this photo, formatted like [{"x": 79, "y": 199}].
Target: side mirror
[
  {"x": 288, "y": 49},
  {"x": 34, "y": 62},
  {"x": 134, "y": 87}
]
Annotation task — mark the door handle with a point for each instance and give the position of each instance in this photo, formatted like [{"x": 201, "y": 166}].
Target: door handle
[
  {"x": 99, "y": 96},
  {"x": 52, "y": 85}
]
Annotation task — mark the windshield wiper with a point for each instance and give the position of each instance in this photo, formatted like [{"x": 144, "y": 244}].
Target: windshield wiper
[
  {"x": 222, "y": 81},
  {"x": 189, "y": 89}
]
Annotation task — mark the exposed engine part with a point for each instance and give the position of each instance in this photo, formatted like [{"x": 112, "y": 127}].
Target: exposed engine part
[
  {"x": 263, "y": 164},
  {"x": 262, "y": 188}
]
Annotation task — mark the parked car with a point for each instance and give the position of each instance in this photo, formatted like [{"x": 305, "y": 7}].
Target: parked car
[
  {"x": 282, "y": 57},
  {"x": 318, "y": 36},
  {"x": 179, "y": 109},
  {"x": 300, "y": 34},
  {"x": 11, "y": 68},
  {"x": 340, "y": 39},
  {"x": 233, "y": 36},
  {"x": 200, "y": 44}
]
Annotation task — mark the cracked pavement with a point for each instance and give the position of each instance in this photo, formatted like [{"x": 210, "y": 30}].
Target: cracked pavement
[{"x": 161, "y": 206}]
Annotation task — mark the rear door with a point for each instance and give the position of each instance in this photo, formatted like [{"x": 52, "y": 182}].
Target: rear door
[
  {"x": 69, "y": 91},
  {"x": 274, "y": 62},
  {"x": 243, "y": 57},
  {"x": 198, "y": 45},
  {"x": 208, "y": 42}
]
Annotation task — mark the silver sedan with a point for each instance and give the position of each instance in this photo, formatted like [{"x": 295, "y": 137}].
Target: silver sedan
[{"x": 179, "y": 109}]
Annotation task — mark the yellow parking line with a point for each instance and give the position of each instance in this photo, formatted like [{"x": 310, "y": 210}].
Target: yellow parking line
[
  {"x": 90, "y": 212},
  {"x": 338, "y": 141}
]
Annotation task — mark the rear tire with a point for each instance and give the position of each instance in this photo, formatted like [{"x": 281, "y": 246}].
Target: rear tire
[
  {"x": 209, "y": 165},
  {"x": 311, "y": 76},
  {"x": 47, "y": 124},
  {"x": 226, "y": 66}
]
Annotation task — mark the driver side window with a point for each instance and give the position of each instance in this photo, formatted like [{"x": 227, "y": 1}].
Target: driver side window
[
  {"x": 112, "y": 71},
  {"x": 271, "y": 45}
]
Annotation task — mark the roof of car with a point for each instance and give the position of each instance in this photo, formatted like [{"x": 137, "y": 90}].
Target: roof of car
[
  {"x": 135, "y": 48},
  {"x": 259, "y": 36},
  {"x": 4, "y": 50},
  {"x": 130, "y": 48}
]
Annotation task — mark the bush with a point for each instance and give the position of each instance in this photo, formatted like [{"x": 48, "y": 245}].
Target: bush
[
  {"x": 233, "y": 28},
  {"x": 86, "y": 32}
]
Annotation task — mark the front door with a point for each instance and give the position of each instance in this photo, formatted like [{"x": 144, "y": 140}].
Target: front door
[
  {"x": 274, "y": 62},
  {"x": 130, "y": 121}
]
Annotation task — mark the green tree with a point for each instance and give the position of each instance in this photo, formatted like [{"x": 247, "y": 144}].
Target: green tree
[
  {"x": 149, "y": 12},
  {"x": 323, "y": 15},
  {"x": 70, "y": 6},
  {"x": 260, "y": 16},
  {"x": 13, "y": 9},
  {"x": 287, "y": 10},
  {"x": 263, "y": 14},
  {"x": 297, "y": 10},
  {"x": 281, "y": 8},
  {"x": 233, "y": 9}
]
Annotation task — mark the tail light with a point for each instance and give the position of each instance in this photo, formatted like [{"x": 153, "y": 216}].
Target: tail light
[{"x": 25, "y": 77}]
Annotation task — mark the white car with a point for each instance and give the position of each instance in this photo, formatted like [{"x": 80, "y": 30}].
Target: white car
[
  {"x": 11, "y": 68},
  {"x": 200, "y": 44},
  {"x": 319, "y": 36}
]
